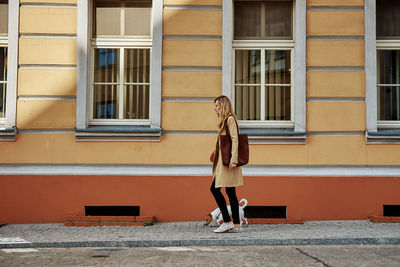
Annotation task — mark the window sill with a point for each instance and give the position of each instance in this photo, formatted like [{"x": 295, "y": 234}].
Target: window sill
[
  {"x": 384, "y": 137},
  {"x": 274, "y": 136},
  {"x": 118, "y": 133},
  {"x": 8, "y": 134}
]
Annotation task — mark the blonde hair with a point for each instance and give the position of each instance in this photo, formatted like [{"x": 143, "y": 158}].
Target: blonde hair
[{"x": 226, "y": 108}]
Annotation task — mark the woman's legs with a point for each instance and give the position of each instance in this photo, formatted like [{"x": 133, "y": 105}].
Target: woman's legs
[
  {"x": 219, "y": 198},
  {"x": 231, "y": 192}
]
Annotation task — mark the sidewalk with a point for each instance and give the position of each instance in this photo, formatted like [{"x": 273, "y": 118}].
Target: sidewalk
[{"x": 196, "y": 234}]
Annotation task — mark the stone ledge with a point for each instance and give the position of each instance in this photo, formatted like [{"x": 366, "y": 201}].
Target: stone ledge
[
  {"x": 8, "y": 134},
  {"x": 384, "y": 219},
  {"x": 275, "y": 221},
  {"x": 273, "y": 136},
  {"x": 383, "y": 137},
  {"x": 118, "y": 133},
  {"x": 85, "y": 221}
]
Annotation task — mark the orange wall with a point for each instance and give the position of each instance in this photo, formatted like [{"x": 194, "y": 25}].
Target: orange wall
[{"x": 39, "y": 199}]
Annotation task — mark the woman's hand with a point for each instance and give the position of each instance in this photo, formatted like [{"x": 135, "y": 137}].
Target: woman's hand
[{"x": 232, "y": 165}]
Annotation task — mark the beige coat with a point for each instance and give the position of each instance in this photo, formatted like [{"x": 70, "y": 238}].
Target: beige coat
[{"x": 222, "y": 175}]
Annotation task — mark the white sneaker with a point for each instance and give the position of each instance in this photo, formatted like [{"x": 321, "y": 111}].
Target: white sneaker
[{"x": 224, "y": 227}]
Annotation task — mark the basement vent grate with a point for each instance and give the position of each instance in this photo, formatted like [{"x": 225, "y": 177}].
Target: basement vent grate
[
  {"x": 112, "y": 210},
  {"x": 391, "y": 210},
  {"x": 265, "y": 212}
]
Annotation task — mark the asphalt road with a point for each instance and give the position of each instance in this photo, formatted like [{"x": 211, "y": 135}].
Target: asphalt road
[{"x": 360, "y": 255}]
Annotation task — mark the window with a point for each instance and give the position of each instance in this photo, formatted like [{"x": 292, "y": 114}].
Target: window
[
  {"x": 3, "y": 58},
  {"x": 388, "y": 63},
  {"x": 121, "y": 47},
  {"x": 119, "y": 70},
  {"x": 263, "y": 48}
]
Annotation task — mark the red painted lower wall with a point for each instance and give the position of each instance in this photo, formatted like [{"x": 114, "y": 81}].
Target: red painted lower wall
[{"x": 51, "y": 198}]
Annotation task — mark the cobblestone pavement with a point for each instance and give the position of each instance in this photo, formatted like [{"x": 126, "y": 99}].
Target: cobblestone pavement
[
  {"x": 360, "y": 255},
  {"x": 195, "y": 233}
]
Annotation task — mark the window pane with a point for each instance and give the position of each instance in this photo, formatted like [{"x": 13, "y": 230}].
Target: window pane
[
  {"x": 247, "y": 19},
  {"x": 2, "y": 100},
  {"x": 248, "y": 102},
  {"x": 389, "y": 103},
  {"x": 3, "y": 78},
  {"x": 105, "y": 100},
  {"x": 138, "y": 18},
  {"x": 247, "y": 64},
  {"x": 263, "y": 20},
  {"x": 388, "y": 66},
  {"x": 136, "y": 102},
  {"x": 3, "y": 64},
  {"x": 107, "y": 18},
  {"x": 277, "y": 66},
  {"x": 278, "y": 20},
  {"x": 106, "y": 65},
  {"x": 388, "y": 19},
  {"x": 137, "y": 65},
  {"x": 277, "y": 103},
  {"x": 3, "y": 17}
]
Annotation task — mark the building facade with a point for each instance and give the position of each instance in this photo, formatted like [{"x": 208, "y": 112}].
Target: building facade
[{"x": 109, "y": 103}]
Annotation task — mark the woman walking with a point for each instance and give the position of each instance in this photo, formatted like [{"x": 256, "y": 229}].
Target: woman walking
[{"x": 228, "y": 177}]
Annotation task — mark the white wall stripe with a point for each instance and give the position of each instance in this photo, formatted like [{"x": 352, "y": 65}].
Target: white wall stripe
[
  {"x": 188, "y": 99},
  {"x": 200, "y": 170},
  {"x": 336, "y": 133},
  {"x": 335, "y": 99},
  {"x": 45, "y": 131},
  {"x": 42, "y": 97},
  {"x": 193, "y": 37},
  {"x": 192, "y": 7},
  {"x": 46, "y": 66},
  {"x": 335, "y": 68},
  {"x": 48, "y": 36},
  {"x": 187, "y": 68},
  {"x": 49, "y": 5},
  {"x": 334, "y": 8},
  {"x": 328, "y": 38}
]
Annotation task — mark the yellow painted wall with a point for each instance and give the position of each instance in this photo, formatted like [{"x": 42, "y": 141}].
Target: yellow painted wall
[
  {"x": 47, "y": 114},
  {"x": 191, "y": 83},
  {"x": 335, "y": 116},
  {"x": 331, "y": 23},
  {"x": 335, "y": 53},
  {"x": 48, "y": 20},
  {"x": 336, "y": 84},
  {"x": 192, "y": 22},
  {"x": 197, "y": 53},
  {"x": 177, "y": 117},
  {"x": 47, "y": 82},
  {"x": 47, "y": 51}
]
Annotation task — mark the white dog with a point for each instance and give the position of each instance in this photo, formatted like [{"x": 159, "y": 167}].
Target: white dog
[{"x": 216, "y": 215}]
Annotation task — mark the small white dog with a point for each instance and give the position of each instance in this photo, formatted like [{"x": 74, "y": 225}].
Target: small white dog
[{"x": 216, "y": 215}]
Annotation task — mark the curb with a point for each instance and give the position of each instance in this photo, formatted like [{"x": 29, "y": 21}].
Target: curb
[{"x": 208, "y": 242}]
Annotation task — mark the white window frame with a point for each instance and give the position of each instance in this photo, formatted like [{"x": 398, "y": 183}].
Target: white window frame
[
  {"x": 298, "y": 65},
  {"x": 239, "y": 45},
  {"x": 386, "y": 45},
  {"x": 371, "y": 85},
  {"x": 86, "y": 61},
  {"x": 11, "y": 42},
  {"x": 3, "y": 43}
]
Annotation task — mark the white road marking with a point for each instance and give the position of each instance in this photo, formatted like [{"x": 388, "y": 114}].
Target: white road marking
[
  {"x": 19, "y": 250},
  {"x": 12, "y": 240},
  {"x": 176, "y": 249}
]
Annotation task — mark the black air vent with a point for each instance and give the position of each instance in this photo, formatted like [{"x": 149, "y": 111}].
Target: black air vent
[
  {"x": 112, "y": 210},
  {"x": 391, "y": 210},
  {"x": 265, "y": 212}
]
